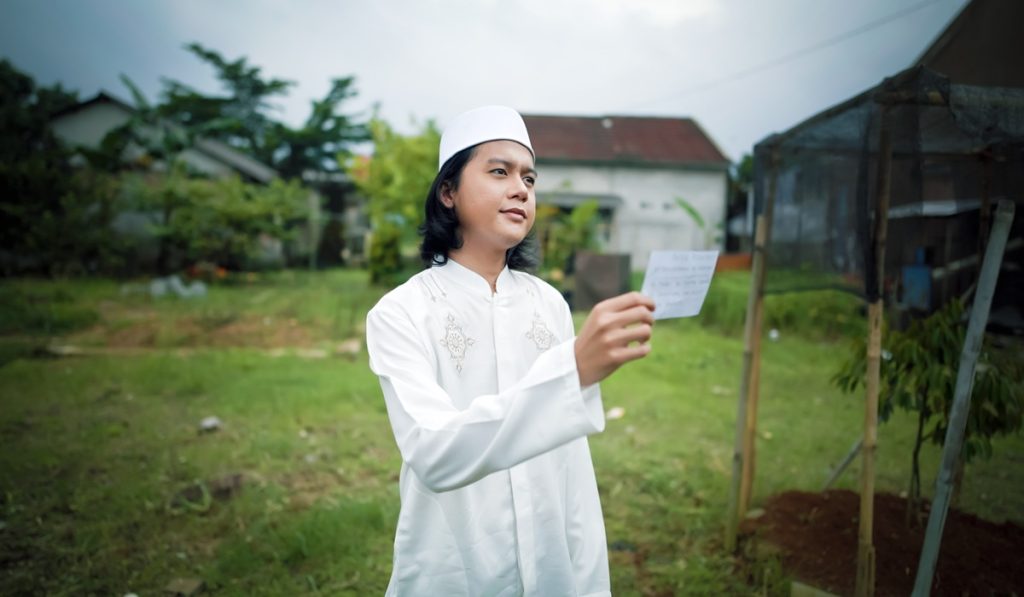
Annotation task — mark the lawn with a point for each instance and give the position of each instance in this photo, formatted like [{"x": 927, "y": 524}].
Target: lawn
[{"x": 107, "y": 486}]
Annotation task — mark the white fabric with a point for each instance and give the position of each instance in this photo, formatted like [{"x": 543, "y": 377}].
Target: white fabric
[
  {"x": 488, "y": 123},
  {"x": 498, "y": 494}
]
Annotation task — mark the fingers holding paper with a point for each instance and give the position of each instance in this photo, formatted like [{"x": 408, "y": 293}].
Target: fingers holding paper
[{"x": 616, "y": 332}]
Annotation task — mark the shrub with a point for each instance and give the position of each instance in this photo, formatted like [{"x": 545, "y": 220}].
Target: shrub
[
  {"x": 816, "y": 314},
  {"x": 918, "y": 374}
]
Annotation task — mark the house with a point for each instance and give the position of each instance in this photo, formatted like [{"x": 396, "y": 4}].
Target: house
[
  {"x": 86, "y": 125},
  {"x": 982, "y": 45},
  {"x": 660, "y": 183}
]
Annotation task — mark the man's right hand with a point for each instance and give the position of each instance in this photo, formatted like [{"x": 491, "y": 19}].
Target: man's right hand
[{"x": 604, "y": 342}]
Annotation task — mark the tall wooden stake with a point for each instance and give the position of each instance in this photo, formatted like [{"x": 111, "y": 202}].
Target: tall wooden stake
[
  {"x": 740, "y": 448},
  {"x": 962, "y": 396},
  {"x": 865, "y": 583},
  {"x": 742, "y": 457},
  {"x": 753, "y": 388}
]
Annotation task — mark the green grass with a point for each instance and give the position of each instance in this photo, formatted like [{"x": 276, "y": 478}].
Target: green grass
[
  {"x": 97, "y": 448},
  {"x": 105, "y": 443}
]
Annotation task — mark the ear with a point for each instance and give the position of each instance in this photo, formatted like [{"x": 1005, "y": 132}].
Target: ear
[{"x": 446, "y": 195}]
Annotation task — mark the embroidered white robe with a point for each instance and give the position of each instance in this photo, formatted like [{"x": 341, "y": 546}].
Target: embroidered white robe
[{"x": 498, "y": 494}]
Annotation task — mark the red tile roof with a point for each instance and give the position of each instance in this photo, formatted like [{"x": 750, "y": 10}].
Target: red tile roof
[{"x": 634, "y": 139}]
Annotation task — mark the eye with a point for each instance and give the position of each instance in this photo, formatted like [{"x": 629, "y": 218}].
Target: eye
[
  {"x": 500, "y": 171},
  {"x": 529, "y": 180}
]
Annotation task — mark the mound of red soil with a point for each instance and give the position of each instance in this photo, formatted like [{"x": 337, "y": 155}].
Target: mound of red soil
[{"x": 816, "y": 534}]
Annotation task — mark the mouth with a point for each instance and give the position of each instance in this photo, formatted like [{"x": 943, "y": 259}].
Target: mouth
[{"x": 521, "y": 213}]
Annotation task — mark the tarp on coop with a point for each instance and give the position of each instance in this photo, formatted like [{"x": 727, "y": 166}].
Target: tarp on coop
[{"x": 956, "y": 150}]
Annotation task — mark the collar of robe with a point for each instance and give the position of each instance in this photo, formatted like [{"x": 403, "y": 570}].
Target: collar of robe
[{"x": 457, "y": 273}]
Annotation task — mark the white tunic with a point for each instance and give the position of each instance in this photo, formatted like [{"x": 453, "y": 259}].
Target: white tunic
[{"x": 498, "y": 495}]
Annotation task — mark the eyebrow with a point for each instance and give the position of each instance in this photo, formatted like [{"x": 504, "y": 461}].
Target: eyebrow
[{"x": 509, "y": 164}]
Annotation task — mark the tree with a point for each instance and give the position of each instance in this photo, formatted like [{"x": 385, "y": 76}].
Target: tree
[
  {"x": 243, "y": 118},
  {"x": 54, "y": 220},
  {"x": 219, "y": 221},
  {"x": 918, "y": 375},
  {"x": 395, "y": 182}
]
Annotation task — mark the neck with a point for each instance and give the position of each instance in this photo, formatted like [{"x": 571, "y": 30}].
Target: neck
[{"x": 487, "y": 264}]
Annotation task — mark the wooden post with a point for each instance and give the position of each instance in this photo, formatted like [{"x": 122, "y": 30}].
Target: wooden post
[
  {"x": 742, "y": 450},
  {"x": 753, "y": 389},
  {"x": 962, "y": 396},
  {"x": 865, "y": 583}
]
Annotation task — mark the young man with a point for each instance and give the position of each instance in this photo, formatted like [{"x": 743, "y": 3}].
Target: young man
[{"x": 489, "y": 393}]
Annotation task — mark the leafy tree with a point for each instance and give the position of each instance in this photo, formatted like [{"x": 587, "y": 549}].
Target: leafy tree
[
  {"x": 918, "y": 375},
  {"x": 240, "y": 119},
  {"x": 220, "y": 221},
  {"x": 243, "y": 117},
  {"x": 54, "y": 220},
  {"x": 395, "y": 181}
]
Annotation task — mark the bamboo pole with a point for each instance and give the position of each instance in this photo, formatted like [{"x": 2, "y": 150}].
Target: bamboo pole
[
  {"x": 742, "y": 454},
  {"x": 753, "y": 394},
  {"x": 739, "y": 449},
  {"x": 865, "y": 582},
  {"x": 962, "y": 396}
]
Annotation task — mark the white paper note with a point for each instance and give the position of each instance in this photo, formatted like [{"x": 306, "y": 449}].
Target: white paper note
[{"x": 678, "y": 281}]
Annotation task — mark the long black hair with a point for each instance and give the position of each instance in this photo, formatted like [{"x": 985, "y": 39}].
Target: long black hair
[{"x": 440, "y": 227}]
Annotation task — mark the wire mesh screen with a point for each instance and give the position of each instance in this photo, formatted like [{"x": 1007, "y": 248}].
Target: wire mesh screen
[{"x": 953, "y": 152}]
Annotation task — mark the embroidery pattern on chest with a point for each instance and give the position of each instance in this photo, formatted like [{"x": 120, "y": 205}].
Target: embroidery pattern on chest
[
  {"x": 456, "y": 341},
  {"x": 540, "y": 334}
]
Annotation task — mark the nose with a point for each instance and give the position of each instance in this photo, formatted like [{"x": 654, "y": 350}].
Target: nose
[{"x": 519, "y": 190}]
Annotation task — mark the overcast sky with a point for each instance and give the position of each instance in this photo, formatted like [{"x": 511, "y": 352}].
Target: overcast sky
[{"x": 742, "y": 68}]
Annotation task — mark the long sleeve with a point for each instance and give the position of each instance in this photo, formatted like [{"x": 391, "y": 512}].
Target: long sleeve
[{"x": 448, "y": 447}]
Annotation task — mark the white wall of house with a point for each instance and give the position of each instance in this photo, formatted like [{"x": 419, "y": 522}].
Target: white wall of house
[
  {"x": 650, "y": 218},
  {"x": 88, "y": 126}
]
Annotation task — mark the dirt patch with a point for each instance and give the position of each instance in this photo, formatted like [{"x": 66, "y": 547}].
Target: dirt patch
[
  {"x": 816, "y": 534},
  {"x": 150, "y": 331},
  {"x": 305, "y": 488},
  {"x": 260, "y": 332},
  {"x": 141, "y": 334}
]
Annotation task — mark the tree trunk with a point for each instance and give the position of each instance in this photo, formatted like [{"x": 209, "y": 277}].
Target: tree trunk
[{"x": 163, "y": 255}]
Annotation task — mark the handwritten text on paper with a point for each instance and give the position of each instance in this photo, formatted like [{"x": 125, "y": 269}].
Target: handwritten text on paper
[{"x": 678, "y": 281}]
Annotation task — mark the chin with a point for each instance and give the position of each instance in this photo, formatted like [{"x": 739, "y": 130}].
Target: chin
[{"x": 515, "y": 240}]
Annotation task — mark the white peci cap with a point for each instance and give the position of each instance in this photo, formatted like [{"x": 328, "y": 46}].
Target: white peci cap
[{"x": 489, "y": 123}]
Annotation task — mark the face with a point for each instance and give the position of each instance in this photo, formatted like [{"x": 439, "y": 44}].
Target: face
[{"x": 495, "y": 200}]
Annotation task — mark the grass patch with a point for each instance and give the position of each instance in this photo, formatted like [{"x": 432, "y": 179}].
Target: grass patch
[{"x": 43, "y": 307}]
